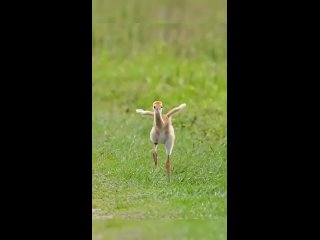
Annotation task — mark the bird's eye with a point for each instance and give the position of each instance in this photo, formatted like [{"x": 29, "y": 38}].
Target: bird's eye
[
  {"x": 154, "y": 106},
  {"x": 161, "y": 107}
]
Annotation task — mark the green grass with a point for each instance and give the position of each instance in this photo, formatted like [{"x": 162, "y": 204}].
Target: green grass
[
  {"x": 159, "y": 229},
  {"x": 138, "y": 57}
]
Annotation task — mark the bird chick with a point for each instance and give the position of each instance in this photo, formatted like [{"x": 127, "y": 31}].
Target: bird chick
[{"x": 162, "y": 131}]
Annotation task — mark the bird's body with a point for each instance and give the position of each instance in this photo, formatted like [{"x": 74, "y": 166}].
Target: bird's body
[
  {"x": 162, "y": 131},
  {"x": 161, "y": 135}
]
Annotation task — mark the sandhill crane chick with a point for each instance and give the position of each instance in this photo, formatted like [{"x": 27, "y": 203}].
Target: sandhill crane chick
[{"x": 162, "y": 131}]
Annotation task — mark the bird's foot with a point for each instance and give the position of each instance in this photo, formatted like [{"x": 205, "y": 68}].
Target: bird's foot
[{"x": 155, "y": 158}]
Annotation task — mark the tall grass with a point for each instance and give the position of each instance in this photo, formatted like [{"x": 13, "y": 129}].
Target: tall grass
[{"x": 183, "y": 28}]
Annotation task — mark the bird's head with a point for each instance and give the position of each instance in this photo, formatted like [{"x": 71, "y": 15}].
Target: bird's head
[{"x": 157, "y": 106}]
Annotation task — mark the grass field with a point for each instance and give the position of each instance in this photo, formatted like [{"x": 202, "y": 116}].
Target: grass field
[{"x": 173, "y": 51}]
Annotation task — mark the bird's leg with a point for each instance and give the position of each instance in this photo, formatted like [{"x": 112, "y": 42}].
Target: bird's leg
[
  {"x": 168, "y": 167},
  {"x": 169, "y": 147},
  {"x": 155, "y": 154}
]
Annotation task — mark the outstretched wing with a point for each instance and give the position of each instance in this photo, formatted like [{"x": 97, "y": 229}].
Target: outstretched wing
[
  {"x": 175, "y": 110},
  {"x": 143, "y": 112}
]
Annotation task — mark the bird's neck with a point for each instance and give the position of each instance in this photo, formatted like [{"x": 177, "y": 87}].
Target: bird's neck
[{"x": 158, "y": 120}]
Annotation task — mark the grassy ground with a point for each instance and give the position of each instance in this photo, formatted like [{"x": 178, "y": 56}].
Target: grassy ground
[{"x": 173, "y": 51}]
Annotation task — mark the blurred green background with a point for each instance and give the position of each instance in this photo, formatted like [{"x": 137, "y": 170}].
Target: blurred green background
[{"x": 173, "y": 51}]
